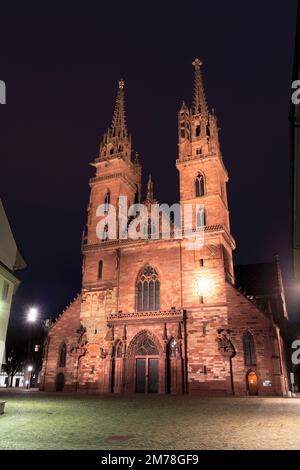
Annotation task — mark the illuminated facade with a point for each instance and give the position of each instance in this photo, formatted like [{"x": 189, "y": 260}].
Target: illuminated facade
[{"x": 163, "y": 315}]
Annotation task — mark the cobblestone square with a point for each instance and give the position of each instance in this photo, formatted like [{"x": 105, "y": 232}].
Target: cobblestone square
[{"x": 34, "y": 420}]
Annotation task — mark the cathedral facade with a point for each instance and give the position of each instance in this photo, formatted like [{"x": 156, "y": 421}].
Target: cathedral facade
[{"x": 162, "y": 314}]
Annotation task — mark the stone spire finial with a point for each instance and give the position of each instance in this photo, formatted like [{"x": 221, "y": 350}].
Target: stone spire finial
[
  {"x": 199, "y": 102},
  {"x": 119, "y": 127}
]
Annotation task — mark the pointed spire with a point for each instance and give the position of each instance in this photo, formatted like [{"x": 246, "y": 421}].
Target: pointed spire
[
  {"x": 118, "y": 126},
  {"x": 150, "y": 197},
  {"x": 199, "y": 102},
  {"x": 117, "y": 141}
]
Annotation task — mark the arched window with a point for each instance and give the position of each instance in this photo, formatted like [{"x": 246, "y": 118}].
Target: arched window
[
  {"x": 105, "y": 233},
  {"x": 118, "y": 349},
  {"x": 201, "y": 222},
  {"x": 249, "y": 349},
  {"x": 136, "y": 197},
  {"x": 173, "y": 348},
  {"x": 107, "y": 201},
  {"x": 199, "y": 185},
  {"x": 100, "y": 269},
  {"x": 148, "y": 290},
  {"x": 63, "y": 355}
]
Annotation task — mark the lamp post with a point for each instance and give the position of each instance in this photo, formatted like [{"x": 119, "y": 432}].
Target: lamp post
[{"x": 32, "y": 317}]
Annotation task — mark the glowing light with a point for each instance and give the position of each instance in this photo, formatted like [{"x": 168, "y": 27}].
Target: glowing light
[
  {"x": 30, "y": 368},
  {"x": 32, "y": 315},
  {"x": 203, "y": 286}
]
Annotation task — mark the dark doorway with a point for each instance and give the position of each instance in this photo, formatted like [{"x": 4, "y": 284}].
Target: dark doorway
[
  {"x": 152, "y": 375},
  {"x": 17, "y": 382},
  {"x": 60, "y": 382},
  {"x": 147, "y": 375},
  {"x": 141, "y": 375}
]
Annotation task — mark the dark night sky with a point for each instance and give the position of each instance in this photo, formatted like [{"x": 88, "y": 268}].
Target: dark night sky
[{"x": 61, "y": 66}]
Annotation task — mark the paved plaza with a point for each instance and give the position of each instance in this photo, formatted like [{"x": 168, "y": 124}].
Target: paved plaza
[{"x": 36, "y": 420}]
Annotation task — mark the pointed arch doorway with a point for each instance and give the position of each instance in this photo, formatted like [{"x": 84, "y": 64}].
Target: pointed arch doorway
[
  {"x": 147, "y": 367},
  {"x": 252, "y": 383}
]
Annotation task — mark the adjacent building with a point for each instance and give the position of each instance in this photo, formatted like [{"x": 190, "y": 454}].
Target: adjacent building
[{"x": 10, "y": 262}]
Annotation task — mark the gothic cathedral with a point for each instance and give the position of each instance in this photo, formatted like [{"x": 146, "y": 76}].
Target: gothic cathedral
[{"x": 159, "y": 315}]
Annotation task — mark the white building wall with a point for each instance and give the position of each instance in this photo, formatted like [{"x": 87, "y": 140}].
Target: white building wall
[
  {"x": 5, "y": 304},
  {"x": 17, "y": 378}
]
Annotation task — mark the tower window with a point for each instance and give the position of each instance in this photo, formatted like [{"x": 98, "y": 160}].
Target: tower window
[
  {"x": 249, "y": 349},
  {"x": 136, "y": 196},
  {"x": 201, "y": 222},
  {"x": 107, "y": 201},
  {"x": 197, "y": 132},
  {"x": 199, "y": 185},
  {"x": 100, "y": 269},
  {"x": 198, "y": 151},
  {"x": 148, "y": 290},
  {"x": 63, "y": 355},
  {"x": 105, "y": 233}
]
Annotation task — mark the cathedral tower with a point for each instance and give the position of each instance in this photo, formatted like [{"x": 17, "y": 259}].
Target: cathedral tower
[
  {"x": 202, "y": 173},
  {"x": 118, "y": 172}
]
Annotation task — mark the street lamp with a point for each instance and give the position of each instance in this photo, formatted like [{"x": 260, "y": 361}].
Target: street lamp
[{"x": 32, "y": 316}]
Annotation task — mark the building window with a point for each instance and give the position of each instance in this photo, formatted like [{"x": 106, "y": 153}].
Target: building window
[
  {"x": 105, "y": 233},
  {"x": 198, "y": 151},
  {"x": 148, "y": 290},
  {"x": 5, "y": 290},
  {"x": 85, "y": 235},
  {"x": 63, "y": 356},
  {"x": 249, "y": 349},
  {"x": 107, "y": 201},
  {"x": 174, "y": 348},
  {"x": 201, "y": 222},
  {"x": 199, "y": 185},
  {"x": 118, "y": 349},
  {"x": 100, "y": 269}
]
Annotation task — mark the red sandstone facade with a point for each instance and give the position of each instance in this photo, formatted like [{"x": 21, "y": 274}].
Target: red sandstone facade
[{"x": 160, "y": 316}]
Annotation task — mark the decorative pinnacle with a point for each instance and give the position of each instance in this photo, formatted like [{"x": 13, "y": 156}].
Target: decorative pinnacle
[
  {"x": 150, "y": 190},
  {"x": 199, "y": 102},
  {"x": 118, "y": 127}
]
